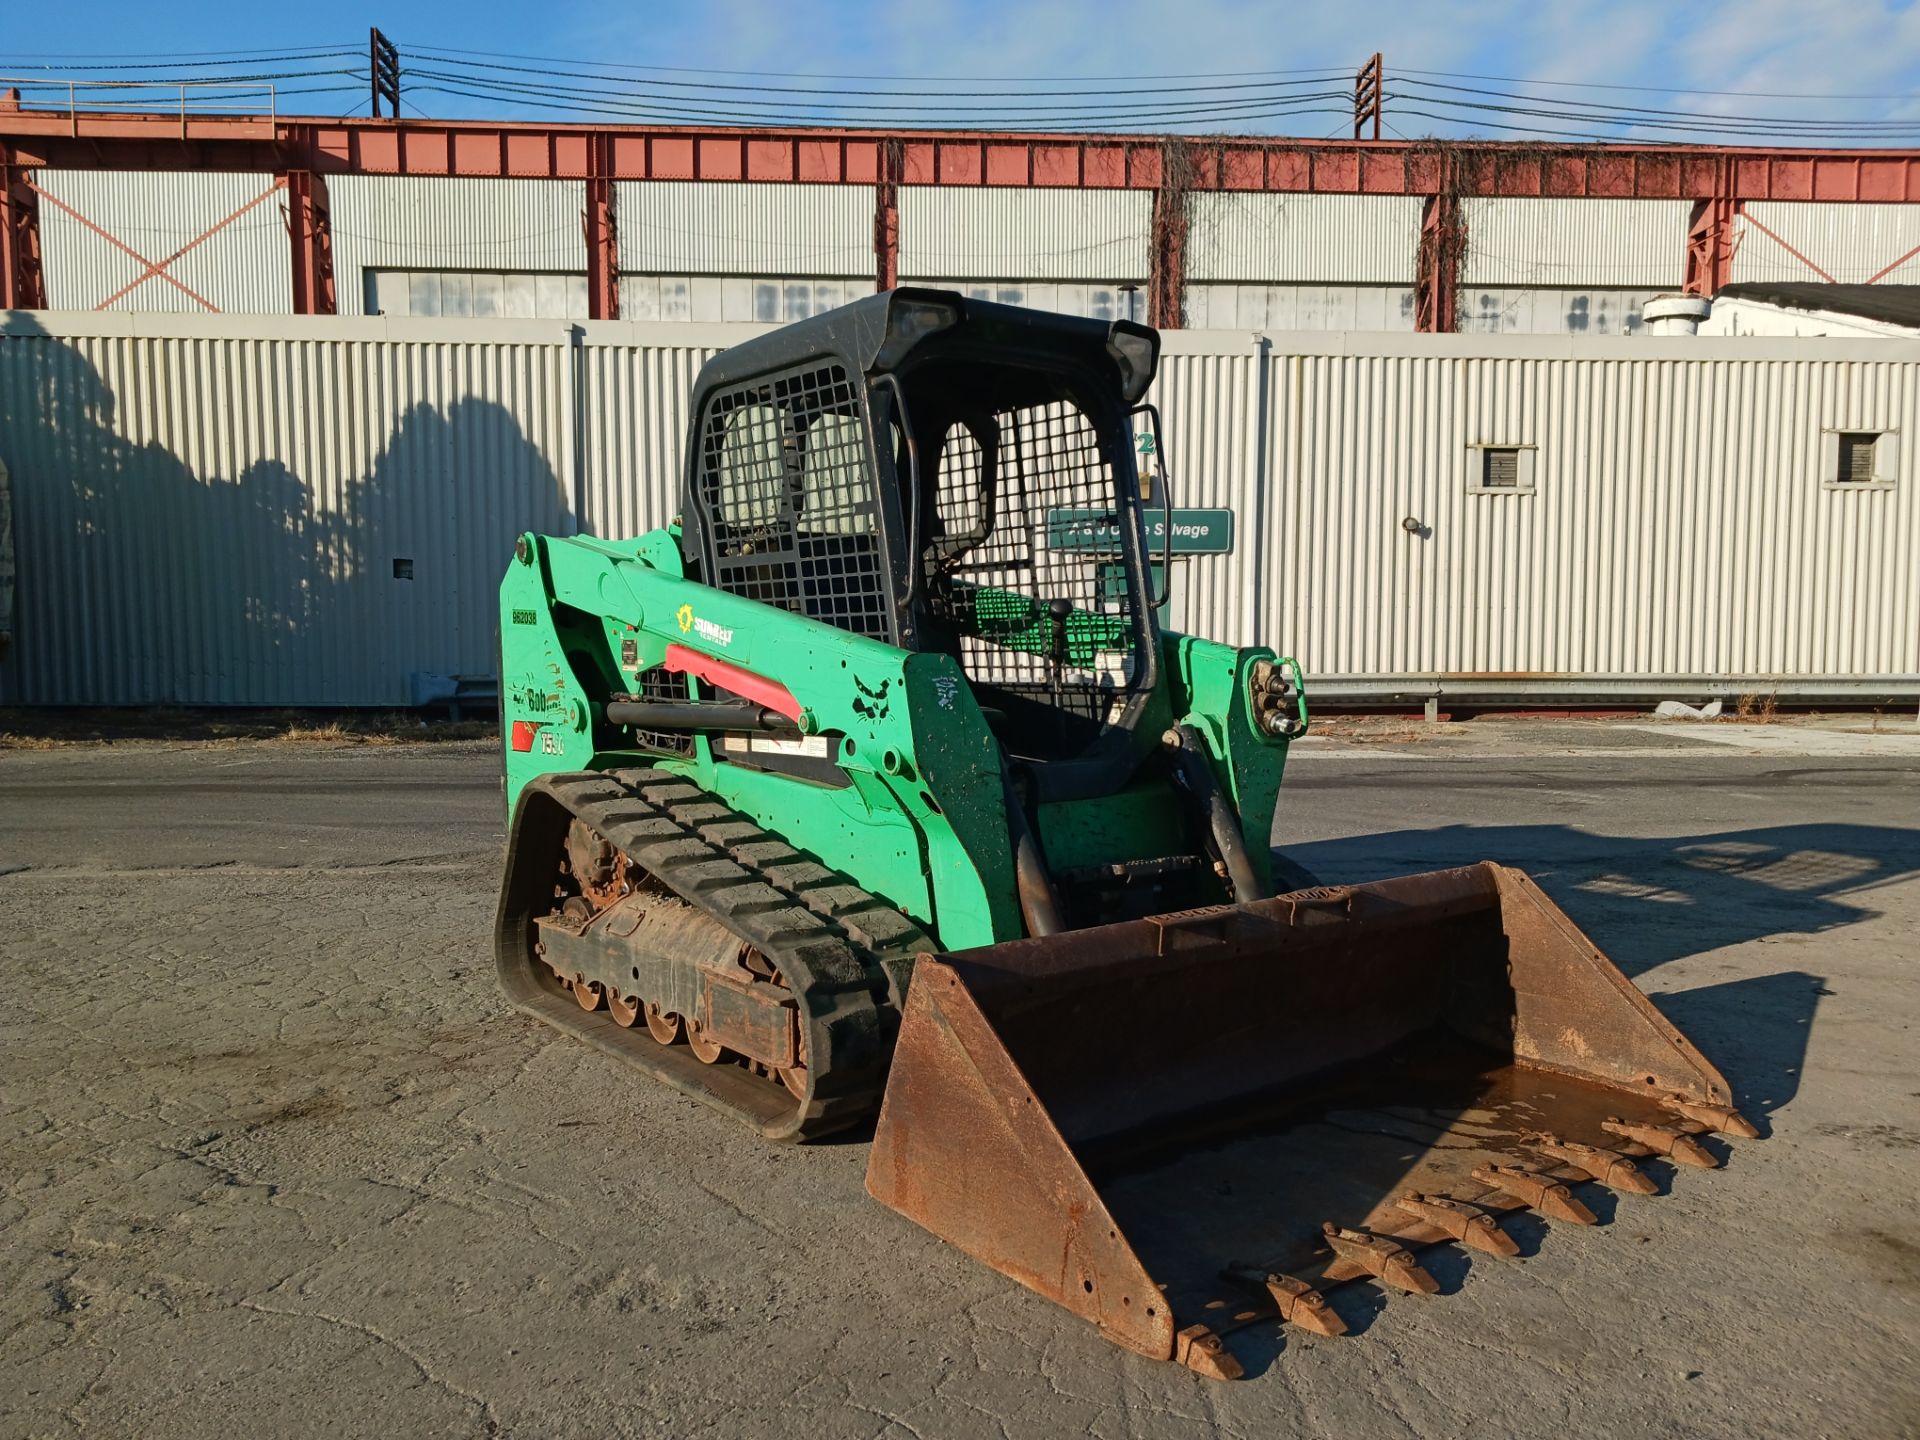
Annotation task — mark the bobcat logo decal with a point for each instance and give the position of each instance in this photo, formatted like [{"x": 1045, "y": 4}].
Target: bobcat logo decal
[{"x": 873, "y": 704}]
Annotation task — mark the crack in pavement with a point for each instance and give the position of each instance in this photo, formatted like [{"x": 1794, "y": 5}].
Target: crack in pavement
[{"x": 481, "y": 1402}]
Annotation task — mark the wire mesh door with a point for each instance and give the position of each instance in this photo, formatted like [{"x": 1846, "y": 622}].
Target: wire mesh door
[
  {"x": 790, "y": 500},
  {"x": 1025, "y": 561}
]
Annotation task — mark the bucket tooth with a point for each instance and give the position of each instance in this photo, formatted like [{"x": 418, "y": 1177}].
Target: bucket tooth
[
  {"x": 1604, "y": 1167},
  {"x": 1537, "y": 1192},
  {"x": 1723, "y": 1118},
  {"x": 1199, "y": 1349},
  {"x": 1391, "y": 1263},
  {"x": 1667, "y": 1140},
  {"x": 1297, "y": 1301},
  {"x": 1468, "y": 1224}
]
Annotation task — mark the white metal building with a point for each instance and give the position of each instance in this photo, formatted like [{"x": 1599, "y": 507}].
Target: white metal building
[
  {"x": 718, "y": 251},
  {"x": 237, "y": 510},
  {"x": 1796, "y": 308}
]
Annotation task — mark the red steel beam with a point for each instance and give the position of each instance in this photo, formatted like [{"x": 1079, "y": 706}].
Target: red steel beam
[
  {"x": 1884, "y": 271},
  {"x": 1711, "y": 241},
  {"x": 886, "y": 219},
  {"x": 603, "y": 237},
  {"x": 852, "y": 157},
  {"x": 22, "y": 284},
  {"x": 309, "y": 226},
  {"x": 1436, "y": 279}
]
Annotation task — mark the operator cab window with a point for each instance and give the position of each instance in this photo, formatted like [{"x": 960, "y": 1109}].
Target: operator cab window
[
  {"x": 1023, "y": 553},
  {"x": 787, "y": 490}
]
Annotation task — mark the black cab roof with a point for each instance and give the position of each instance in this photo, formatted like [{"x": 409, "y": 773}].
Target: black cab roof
[{"x": 881, "y": 332}]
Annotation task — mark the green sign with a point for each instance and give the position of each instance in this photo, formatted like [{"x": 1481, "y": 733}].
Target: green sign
[{"x": 1195, "y": 532}]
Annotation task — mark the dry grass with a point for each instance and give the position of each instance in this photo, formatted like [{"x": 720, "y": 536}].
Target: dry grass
[
  {"x": 1390, "y": 729},
  {"x": 397, "y": 728},
  {"x": 1756, "y": 709},
  {"x": 9, "y": 741}
]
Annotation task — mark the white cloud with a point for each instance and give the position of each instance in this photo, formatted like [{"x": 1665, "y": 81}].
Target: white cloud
[{"x": 1795, "y": 46}]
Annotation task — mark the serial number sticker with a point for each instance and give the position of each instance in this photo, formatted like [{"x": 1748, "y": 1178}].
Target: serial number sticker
[{"x": 814, "y": 745}]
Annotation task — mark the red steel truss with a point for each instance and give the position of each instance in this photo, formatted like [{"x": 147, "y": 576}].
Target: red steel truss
[{"x": 1717, "y": 179}]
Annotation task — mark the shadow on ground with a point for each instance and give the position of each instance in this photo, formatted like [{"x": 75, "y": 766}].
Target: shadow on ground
[
  {"x": 1651, "y": 901},
  {"x": 1647, "y": 902}
]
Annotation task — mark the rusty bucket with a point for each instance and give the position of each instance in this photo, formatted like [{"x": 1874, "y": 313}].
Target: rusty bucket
[{"x": 1181, "y": 1125}]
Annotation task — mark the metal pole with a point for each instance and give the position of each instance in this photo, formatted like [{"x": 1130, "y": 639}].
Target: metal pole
[
  {"x": 1367, "y": 86},
  {"x": 383, "y": 72}
]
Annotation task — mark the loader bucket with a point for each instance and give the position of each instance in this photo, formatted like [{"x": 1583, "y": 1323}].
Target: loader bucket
[{"x": 1184, "y": 1124}]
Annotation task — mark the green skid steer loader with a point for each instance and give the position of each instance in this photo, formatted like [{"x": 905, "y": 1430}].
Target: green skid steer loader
[{"x": 873, "y": 786}]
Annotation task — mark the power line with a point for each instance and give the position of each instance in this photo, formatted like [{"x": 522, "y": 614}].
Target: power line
[
  {"x": 1229, "y": 100},
  {"x": 240, "y": 57},
  {"x": 1602, "y": 110},
  {"x": 1011, "y": 105},
  {"x": 638, "y": 97},
  {"x": 32, "y": 82},
  {"x": 1693, "y": 125},
  {"x": 573, "y": 103},
  {"x": 806, "y": 75},
  {"x": 1320, "y": 77},
  {"x": 1650, "y": 89}
]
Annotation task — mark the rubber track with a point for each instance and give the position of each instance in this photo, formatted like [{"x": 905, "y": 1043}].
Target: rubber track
[{"x": 844, "y": 952}]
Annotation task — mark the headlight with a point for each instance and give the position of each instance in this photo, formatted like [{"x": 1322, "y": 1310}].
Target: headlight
[
  {"x": 1136, "y": 350},
  {"x": 911, "y": 318}
]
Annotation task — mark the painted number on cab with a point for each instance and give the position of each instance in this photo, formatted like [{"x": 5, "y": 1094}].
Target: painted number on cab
[{"x": 550, "y": 744}]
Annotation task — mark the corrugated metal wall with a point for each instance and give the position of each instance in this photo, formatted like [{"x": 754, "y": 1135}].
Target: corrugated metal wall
[
  {"x": 991, "y": 234},
  {"x": 692, "y": 249},
  {"x": 247, "y": 266},
  {"x": 1679, "y": 526},
  {"x": 407, "y": 222},
  {"x": 1851, "y": 243},
  {"x": 1100, "y": 299},
  {"x": 707, "y": 251},
  {"x": 635, "y": 384},
  {"x": 1317, "y": 239},
  {"x": 1300, "y": 307},
  {"x": 1211, "y": 391},
  {"x": 208, "y": 516},
  {"x": 210, "y": 510},
  {"x": 734, "y": 298},
  {"x": 1512, "y": 311},
  {"x": 6, "y": 559},
  {"x": 1589, "y": 244},
  {"x": 692, "y": 227}
]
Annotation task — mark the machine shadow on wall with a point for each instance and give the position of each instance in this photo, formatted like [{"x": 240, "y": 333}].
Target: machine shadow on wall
[{"x": 153, "y": 584}]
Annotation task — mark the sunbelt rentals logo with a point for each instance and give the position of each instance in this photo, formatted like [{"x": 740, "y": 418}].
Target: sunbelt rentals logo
[{"x": 705, "y": 629}]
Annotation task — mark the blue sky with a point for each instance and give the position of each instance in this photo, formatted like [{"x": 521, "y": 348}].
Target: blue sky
[{"x": 1790, "y": 47}]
